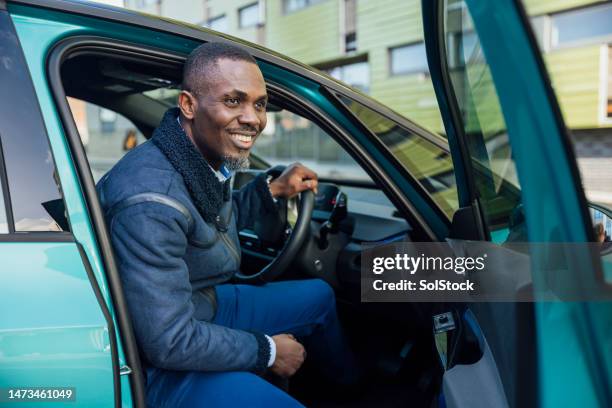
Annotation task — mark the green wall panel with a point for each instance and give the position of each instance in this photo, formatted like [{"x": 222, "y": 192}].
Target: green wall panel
[
  {"x": 230, "y": 8},
  {"x": 385, "y": 23},
  {"x": 311, "y": 35}
]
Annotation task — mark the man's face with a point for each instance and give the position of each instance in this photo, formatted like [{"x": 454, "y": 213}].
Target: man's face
[{"x": 230, "y": 112}]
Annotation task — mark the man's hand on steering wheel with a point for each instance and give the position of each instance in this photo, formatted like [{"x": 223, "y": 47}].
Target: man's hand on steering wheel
[{"x": 293, "y": 180}]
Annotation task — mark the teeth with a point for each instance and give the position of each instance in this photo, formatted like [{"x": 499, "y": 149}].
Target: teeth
[{"x": 242, "y": 138}]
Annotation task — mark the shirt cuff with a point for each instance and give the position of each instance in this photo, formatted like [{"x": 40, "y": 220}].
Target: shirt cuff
[
  {"x": 268, "y": 180},
  {"x": 272, "y": 350}
]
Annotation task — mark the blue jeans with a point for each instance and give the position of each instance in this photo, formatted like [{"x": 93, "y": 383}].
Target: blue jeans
[{"x": 306, "y": 309}]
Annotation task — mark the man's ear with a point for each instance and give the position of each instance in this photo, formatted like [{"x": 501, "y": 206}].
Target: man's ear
[{"x": 188, "y": 104}]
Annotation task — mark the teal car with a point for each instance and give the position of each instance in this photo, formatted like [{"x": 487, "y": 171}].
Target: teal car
[{"x": 504, "y": 169}]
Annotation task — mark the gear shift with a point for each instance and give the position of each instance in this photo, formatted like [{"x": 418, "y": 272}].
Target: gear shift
[{"x": 338, "y": 213}]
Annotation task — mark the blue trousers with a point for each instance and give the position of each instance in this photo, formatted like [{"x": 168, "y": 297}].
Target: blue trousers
[{"x": 306, "y": 309}]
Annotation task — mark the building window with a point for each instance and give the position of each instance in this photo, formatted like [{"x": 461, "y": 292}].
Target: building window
[
  {"x": 249, "y": 16},
  {"x": 356, "y": 75},
  {"x": 588, "y": 24},
  {"x": 350, "y": 26},
  {"x": 145, "y": 3},
  {"x": 289, "y": 6},
  {"x": 350, "y": 42},
  {"x": 218, "y": 23},
  {"x": 408, "y": 59}
]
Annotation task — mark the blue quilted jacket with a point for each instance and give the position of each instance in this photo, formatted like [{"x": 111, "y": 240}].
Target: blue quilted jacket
[{"x": 174, "y": 229}]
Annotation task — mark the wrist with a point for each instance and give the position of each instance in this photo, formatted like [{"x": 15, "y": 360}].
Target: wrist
[{"x": 275, "y": 189}]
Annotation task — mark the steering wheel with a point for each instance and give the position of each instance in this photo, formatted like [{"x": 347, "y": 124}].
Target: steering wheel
[{"x": 290, "y": 250}]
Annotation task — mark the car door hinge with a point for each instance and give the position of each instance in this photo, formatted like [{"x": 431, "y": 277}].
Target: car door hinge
[{"x": 125, "y": 370}]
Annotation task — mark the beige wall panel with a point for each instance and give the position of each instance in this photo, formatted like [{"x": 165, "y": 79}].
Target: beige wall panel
[{"x": 535, "y": 7}]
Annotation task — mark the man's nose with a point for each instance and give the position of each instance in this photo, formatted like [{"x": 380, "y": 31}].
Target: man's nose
[{"x": 249, "y": 116}]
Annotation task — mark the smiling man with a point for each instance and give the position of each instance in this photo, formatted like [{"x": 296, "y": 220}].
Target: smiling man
[{"x": 174, "y": 226}]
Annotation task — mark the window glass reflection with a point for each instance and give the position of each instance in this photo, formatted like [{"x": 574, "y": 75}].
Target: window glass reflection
[{"x": 429, "y": 163}]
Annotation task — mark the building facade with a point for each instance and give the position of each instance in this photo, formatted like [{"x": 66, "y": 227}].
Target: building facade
[{"x": 377, "y": 46}]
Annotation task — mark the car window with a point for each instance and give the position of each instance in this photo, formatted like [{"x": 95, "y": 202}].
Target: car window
[
  {"x": 290, "y": 138},
  {"x": 34, "y": 197},
  {"x": 105, "y": 134},
  {"x": 428, "y": 161},
  {"x": 486, "y": 137}
]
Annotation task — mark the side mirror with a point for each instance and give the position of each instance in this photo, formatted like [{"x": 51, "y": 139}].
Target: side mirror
[{"x": 601, "y": 215}]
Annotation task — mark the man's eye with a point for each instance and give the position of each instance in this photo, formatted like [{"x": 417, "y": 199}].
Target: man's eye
[
  {"x": 260, "y": 105},
  {"x": 232, "y": 101}
]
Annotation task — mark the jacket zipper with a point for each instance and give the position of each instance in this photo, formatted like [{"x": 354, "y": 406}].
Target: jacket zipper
[{"x": 231, "y": 246}]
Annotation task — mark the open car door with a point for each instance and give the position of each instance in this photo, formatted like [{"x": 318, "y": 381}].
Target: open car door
[{"x": 518, "y": 182}]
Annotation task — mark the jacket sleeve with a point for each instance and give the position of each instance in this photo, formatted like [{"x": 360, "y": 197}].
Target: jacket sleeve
[
  {"x": 150, "y": 240},
  {"x": 253, "y": 201}
]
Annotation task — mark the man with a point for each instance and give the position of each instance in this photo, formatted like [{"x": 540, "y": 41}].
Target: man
[{"x": 174, "y": 227}]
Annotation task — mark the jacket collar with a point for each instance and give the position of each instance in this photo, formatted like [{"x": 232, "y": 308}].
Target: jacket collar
[{"x": 206, "y": 191}]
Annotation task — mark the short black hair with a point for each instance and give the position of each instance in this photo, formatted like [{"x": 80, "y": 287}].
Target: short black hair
[{"x": 201, "y": 64}]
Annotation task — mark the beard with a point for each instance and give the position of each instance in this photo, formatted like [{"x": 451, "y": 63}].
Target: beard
[{"x": 237, "y": 163}]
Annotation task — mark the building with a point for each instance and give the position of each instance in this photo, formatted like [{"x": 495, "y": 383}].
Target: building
[{"x": 377, "y": 46}]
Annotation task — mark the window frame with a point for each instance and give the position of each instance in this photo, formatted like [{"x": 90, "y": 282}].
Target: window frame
[
  {"x": 308, "y": 3},
  {"x": 217, "y": 18},
  {"x": 84, "y": 44},
  {"x": 421, "y": 228},
  {"x": 555, "y": 45},
  {"x": 257, "y": 23},
  {"x": 393, "y": 74}
]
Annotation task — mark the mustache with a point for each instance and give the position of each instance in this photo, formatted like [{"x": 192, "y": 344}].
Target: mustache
[{"x": 244, "y": 129}]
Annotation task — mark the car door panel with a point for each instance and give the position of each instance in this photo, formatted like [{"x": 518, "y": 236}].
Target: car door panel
[
  {"x": 477, "y": 384},
  {"x": 53, "y": 331}
]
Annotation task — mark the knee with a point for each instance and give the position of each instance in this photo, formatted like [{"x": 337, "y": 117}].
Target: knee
[{"x": 323, "y": 295}]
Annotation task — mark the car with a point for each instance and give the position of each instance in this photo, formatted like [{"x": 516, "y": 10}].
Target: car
[{"x": 504, "y": 169}]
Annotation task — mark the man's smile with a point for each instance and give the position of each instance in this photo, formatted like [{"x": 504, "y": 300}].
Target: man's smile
[{"x": 243, "y": 140}]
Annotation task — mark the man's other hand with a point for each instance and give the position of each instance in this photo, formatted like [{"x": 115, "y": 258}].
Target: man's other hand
[
  {"x": 293, "y": 180},
  {"x": 289, "y": 355}
]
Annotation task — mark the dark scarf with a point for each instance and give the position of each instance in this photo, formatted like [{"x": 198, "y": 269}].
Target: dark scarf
[{"x": 205, "y": 189}]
